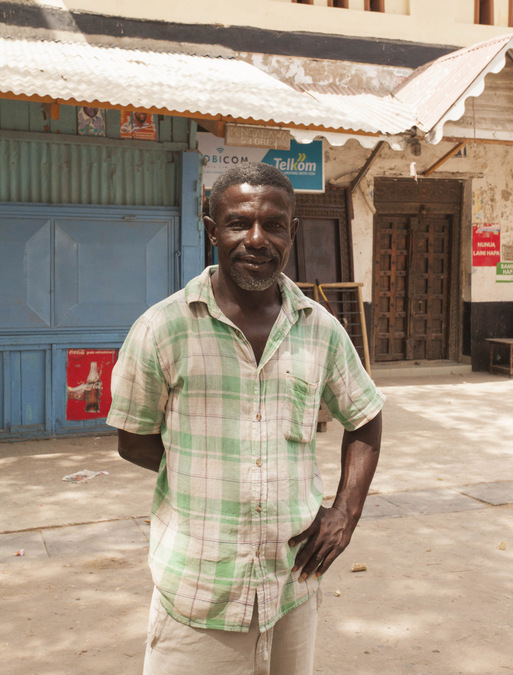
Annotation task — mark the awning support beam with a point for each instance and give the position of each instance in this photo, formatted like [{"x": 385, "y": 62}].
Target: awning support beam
[
  {"x": 443, "y": 159},
  {"x": 365, "y": 168}
]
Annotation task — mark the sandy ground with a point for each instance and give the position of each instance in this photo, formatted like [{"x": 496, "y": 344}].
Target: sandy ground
[{"x": 436, "y": 598}]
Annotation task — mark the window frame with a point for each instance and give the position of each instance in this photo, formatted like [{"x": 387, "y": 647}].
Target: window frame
[
  {"x": 484, "y": 12},
  {"x": 374, "y": 5}
]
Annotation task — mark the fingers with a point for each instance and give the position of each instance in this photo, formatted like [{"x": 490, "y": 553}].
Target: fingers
[
  {"x": 300, "y": 537},
  {"x": 326, "y": 563},
  {"x": 311, "y": 566},
  {"x": 327, "y": 537}
]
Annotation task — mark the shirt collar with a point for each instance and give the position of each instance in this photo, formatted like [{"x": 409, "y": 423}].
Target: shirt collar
[{"x": 293, "y": 299}]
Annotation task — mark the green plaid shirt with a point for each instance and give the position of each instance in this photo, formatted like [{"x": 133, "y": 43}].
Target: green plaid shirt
[{"x": 238, "y": 478}]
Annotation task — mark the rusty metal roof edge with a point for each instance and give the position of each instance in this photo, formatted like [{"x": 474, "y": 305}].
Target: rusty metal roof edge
[
  {"x": 19, "y": 80},
  {"x": 324, "y": 117},
  {"x": 433, "y": 132},
  {"x": 506, "y": 39},
  {"x": 455, "y": 112}
]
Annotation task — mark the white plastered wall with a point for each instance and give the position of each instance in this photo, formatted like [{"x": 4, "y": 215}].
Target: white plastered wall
[{"x": 494, "y": 190}]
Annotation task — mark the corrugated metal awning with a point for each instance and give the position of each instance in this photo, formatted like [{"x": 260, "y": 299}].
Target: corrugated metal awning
[
  {"x": 198, "y": 86},
  {"x": 225, "y": 88},
  {"x": 374, "y": 113},
  {"x": 438, "y": 90}
]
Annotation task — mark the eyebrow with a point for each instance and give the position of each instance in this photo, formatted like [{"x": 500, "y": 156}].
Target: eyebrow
[{"x": 234, "y": 215}]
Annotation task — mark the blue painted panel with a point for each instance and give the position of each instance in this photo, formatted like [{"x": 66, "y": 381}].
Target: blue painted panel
[
  {"x": 107, "y": 273},
  {"x": 192, "y": 231},
  {"x": 33, "y": 387},
  {"x": 25, "y": 247},
  {"x": 25, "y": 374},
  {"x": 14, "y": 387},
  {"x": 3, "y": 382}
]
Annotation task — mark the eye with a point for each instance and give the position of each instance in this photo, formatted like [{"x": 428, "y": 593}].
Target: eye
[{"x": 276, "y": 225}]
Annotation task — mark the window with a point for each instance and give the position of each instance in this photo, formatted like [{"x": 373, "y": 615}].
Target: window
[
  {"x": 343, "y": 4},
  {"x": 303, "y": 2},
  {"x": 374, "y": 5},
  {"x": 483, "y": 12}
]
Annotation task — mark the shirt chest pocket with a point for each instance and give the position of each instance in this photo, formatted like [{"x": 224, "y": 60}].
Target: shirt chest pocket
[{"x": 301, "y": 408}]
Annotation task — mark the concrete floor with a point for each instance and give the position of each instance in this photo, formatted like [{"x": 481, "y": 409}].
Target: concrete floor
[{"x": 436, "y": 539}]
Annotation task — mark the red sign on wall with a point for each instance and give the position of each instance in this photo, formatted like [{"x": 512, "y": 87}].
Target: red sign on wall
[
  {"x": 88, "y": 375},
  {"x": 486, "y": 245}
]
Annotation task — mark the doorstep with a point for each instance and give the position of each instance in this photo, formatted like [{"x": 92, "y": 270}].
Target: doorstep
[{"x": 421, "y": 368}]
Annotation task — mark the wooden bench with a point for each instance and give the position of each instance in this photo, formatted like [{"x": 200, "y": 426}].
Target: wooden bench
[{"x": 495, "y": 367}]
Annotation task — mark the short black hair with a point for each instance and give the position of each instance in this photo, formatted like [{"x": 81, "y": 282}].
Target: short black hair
[{"x": 252, "y": 173}]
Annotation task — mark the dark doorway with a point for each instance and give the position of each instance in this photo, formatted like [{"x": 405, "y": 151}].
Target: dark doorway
[{"x": 322, "y": 249}]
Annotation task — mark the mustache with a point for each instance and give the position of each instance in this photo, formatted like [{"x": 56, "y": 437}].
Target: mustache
[{"x": 269, "y": 256}]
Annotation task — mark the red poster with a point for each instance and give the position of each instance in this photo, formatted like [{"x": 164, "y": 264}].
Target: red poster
[
  {"x": 88, "y": 374},
  {"x": 486, "y": 245},
  {"x": 139, "y": 125}
]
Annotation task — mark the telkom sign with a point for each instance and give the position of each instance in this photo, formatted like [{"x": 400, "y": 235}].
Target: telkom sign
[{"x": 303, "y": 164}]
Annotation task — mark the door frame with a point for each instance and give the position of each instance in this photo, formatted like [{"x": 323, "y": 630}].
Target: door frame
[
  {"x": 334, "y": 203},
  {"x": 409, "y": 204}
]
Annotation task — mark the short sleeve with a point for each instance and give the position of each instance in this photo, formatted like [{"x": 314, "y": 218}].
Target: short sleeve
[
  {"x": 139, "y": 387},
  {"x": 350, "y": 394}
]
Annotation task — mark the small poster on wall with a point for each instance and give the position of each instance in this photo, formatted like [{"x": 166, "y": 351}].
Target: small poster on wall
[
  {"x": 486, "y": 245},
  {"x": 140, "y": 125},
  {"x": 504, "y": 273},
  {"x": 88, "y": 375},
  {"x": 91, "y": 121},
  {"x": 303, "y": 164}
]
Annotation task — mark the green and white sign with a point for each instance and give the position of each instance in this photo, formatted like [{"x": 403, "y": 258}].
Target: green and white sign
[{"x": 504, "y": 272}]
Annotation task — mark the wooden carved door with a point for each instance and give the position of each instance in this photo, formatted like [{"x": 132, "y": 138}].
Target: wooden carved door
[{"x": 414, "y": 274}]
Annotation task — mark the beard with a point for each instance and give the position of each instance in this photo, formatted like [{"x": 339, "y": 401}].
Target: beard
[{"x": 247, "y": 282}]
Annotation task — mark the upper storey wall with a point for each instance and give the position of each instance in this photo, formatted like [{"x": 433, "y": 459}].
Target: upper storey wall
[{"x": 437, "y": 22}]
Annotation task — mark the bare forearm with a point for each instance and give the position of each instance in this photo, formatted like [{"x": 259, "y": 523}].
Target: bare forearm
[
  {"x": 331, "y": 530},
  {"x": 145, "y": 451},
  {"x": 360, "y": 454}
]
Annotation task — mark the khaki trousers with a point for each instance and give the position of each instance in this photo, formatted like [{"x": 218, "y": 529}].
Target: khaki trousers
[{"x": 286, "y": 649}]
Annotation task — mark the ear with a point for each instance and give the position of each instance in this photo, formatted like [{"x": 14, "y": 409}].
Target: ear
[
  {"x": 211, "y": 229},
  {"x": 294, "y": 224}
]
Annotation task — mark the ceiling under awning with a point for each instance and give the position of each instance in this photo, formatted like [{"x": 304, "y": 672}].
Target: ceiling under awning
[
  {"x": 438, "y": 90},
  {"x": 203, "y": 87}
]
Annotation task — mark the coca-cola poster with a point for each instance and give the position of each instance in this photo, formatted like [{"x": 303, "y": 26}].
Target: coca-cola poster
[{"x": 88, "y": 375}]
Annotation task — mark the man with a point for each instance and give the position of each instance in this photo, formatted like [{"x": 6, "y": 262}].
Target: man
[{"x": 218, "y": 389}]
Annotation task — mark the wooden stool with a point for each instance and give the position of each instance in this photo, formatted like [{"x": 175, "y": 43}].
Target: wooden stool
[
  {"x": 494, "y": 367},
  {"x": 324, "y": 417}
]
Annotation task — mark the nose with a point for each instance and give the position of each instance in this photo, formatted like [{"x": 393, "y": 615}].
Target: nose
[{"x": 256, "y": 236}]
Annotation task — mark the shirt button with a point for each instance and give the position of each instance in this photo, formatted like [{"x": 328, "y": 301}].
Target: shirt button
[
  {"x": 259, "y": 462},
  {"x": 259, "y": 417},
  {"x": 259, "y": 508}
]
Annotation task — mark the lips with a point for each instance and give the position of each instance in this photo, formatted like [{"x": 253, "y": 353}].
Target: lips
[{"x": 255, "y": 263}]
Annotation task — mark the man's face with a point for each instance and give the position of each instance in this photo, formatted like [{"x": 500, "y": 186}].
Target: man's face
[
  {"x": 254, "y": 231},
  {"x": 140, "y": 118}
]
